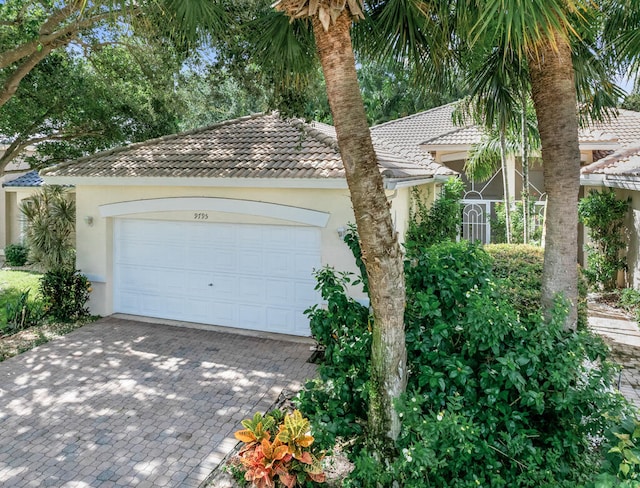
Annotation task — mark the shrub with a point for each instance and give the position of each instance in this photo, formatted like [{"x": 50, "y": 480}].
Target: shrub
[
  {"x": 337, "y": 401},
  {"x": 439, "y": 222},
  {"x": 278, "y": 451},
  {"x": 630, "y": 301},
  {"x": 518, "y": 272},
  {"x": 492, "y": 400},
  {"x": 65, "y": 294},
  {"x": 499, "y": 225},
  {"x": 22, "y": 313},
  {"x": 604, "y": 215},
  {"x": 16, "y": 254}
]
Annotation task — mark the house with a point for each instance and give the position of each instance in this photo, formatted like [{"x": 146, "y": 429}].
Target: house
[
  {"x": 620, "y": 171},
  {"x": 15, "y": 190},
  {"x": 225, "y": 225},
  {"x": 434, "y": 135}
]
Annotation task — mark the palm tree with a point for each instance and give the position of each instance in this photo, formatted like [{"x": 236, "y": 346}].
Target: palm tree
[
  {"x": 381, "y": 252},
  {"x": 51, "y": 222},
  {"x": 550, "y": 38}
]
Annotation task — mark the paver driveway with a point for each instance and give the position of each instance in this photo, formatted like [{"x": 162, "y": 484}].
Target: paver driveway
[{"x": 120, "y": 403}]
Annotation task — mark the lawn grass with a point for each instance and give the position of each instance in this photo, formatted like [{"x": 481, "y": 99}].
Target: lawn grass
[{"x": 13, "y": 284}]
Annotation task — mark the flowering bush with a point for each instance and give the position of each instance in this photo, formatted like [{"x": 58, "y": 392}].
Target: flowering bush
[{"x": 283, "y": 460}]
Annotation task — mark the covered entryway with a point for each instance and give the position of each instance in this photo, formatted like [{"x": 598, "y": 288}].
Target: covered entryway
[{"x": 257, "y": 277}]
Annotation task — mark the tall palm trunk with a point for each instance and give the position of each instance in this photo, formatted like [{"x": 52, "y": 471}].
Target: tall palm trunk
[
  {"x": 525, "y": 171},
  {"x": 554, "y": 97},
  {"x": 380, "y": 249},
  {"x": 505, "y": 182}
]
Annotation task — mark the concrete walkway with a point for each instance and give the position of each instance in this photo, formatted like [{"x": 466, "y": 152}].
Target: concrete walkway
[
  {"x": 121, "y": 404},
  {"x": 623, "y": 335}
]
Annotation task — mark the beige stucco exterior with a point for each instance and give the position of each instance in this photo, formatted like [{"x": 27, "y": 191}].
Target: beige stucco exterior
[
  {"x": 95, "y": 232},
  {"x": 11, "y": 232}
]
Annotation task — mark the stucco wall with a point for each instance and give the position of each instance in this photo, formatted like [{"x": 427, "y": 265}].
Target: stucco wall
[
  {"x": 13, "y": 197},
  {"x": 633, "y": 226},
  {"x": 95, "y": 239}
]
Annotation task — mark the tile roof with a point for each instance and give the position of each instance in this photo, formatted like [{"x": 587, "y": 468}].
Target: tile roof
[
  {"x": 405, "y": 135},
  {"x": 625, "y": 162},
  {"x": 625, "y": 126},
  {"x": 257, "y": 146},
  {"x": 435, "y": 127},
  {"x": 28, "y": 180}
]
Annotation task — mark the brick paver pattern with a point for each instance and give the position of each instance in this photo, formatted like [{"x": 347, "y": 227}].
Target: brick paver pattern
[
  {"x": 621, "y": 332},
  {"x": 121, "y": 404}
]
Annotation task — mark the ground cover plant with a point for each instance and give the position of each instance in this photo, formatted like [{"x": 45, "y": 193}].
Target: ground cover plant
[
  {"x": 496, "y": 396},
  {"x": 24, "y": 321},
  {"x": 13, "y": 286}
]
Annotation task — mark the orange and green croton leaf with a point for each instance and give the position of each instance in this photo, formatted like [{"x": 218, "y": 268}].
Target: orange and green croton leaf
[
  {"x": 295, "y": 433},
  {"x": 255, "y": 429}
]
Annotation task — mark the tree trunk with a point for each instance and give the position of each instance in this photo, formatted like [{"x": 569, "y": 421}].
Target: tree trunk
[
  {"x": 505, "y": 184},
  {"x": 526, "y": 217},
  {"x": 380, "y": 249},
  {"x": 554, "y": 97}
]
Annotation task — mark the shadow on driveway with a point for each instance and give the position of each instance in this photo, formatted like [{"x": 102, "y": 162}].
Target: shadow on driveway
[{"x": 120, "y": 403}]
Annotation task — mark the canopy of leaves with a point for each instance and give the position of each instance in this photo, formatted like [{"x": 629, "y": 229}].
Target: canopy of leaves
[{"x": 70, "y": 105}]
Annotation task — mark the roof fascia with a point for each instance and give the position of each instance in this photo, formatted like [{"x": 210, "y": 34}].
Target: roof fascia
[
  {"x": 595, "y": 146},
  {"x": 446, "y": 147},
  {"x": 592, "y": 180},
  {"x": 395, "y": 183},
  {"x": 622, "y": 182},
  {"x": 323, "y": 183}
]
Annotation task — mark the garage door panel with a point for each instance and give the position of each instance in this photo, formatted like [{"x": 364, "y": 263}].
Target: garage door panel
[
  {"x": 251, "y": 316},
  {"x": 251, "y": 289},
  {"x": 278, "y": 264},
  {"x": 250, "y": 263},
  {"x": 307, "y": 239},
  {"x": 240, "y": 275}
]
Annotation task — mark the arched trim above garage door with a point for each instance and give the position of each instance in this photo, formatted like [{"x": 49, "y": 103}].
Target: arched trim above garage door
[{"x": 229, "y": 205}]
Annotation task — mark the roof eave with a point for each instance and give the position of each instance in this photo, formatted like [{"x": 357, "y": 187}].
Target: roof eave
[
  {"x": 599, "y": 146},
  {"x": 323, "y": 183},
  {"x": 396, "y": 183},
  {"x": 624, "y": 182},
  {"x": 592, "y": 179},
  {"x": 446, "y": 147}
]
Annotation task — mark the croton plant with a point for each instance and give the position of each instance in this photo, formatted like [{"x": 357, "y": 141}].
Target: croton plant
[{"x": 278, "y": 452}]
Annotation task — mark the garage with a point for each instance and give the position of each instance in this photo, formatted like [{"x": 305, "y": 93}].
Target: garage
[{"x": 248, "y": 276}]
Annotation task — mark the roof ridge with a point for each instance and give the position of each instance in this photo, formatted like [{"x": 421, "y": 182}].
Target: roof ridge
[
  {"x": 407, "y": 117},
  {"x": 326, "y": 139},
  {"x": 452, "y": 131},
  {"x": 155, "y": 140},
  {"x": 611, "y": 158}
]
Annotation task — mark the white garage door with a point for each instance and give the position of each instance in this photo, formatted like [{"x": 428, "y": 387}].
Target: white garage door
[{"x": 249, "y": 276}]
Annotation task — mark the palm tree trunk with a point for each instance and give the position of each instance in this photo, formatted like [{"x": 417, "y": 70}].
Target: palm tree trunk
[
  {"x": 380, "y": 249},
  {"x": 525, "y": 172},
  {"x": 554, "y": 97},
  {"x": 505, "y": 183}
]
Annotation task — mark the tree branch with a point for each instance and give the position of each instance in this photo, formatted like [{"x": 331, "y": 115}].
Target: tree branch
[
  {"x": 11, "y": 85},
  {"x": 48, "y": 35}
]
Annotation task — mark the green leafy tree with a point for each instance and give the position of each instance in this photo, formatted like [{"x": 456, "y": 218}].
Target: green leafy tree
[
  {"x": 31, "y": 30},
  {"x": 69, "y": 106}
]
